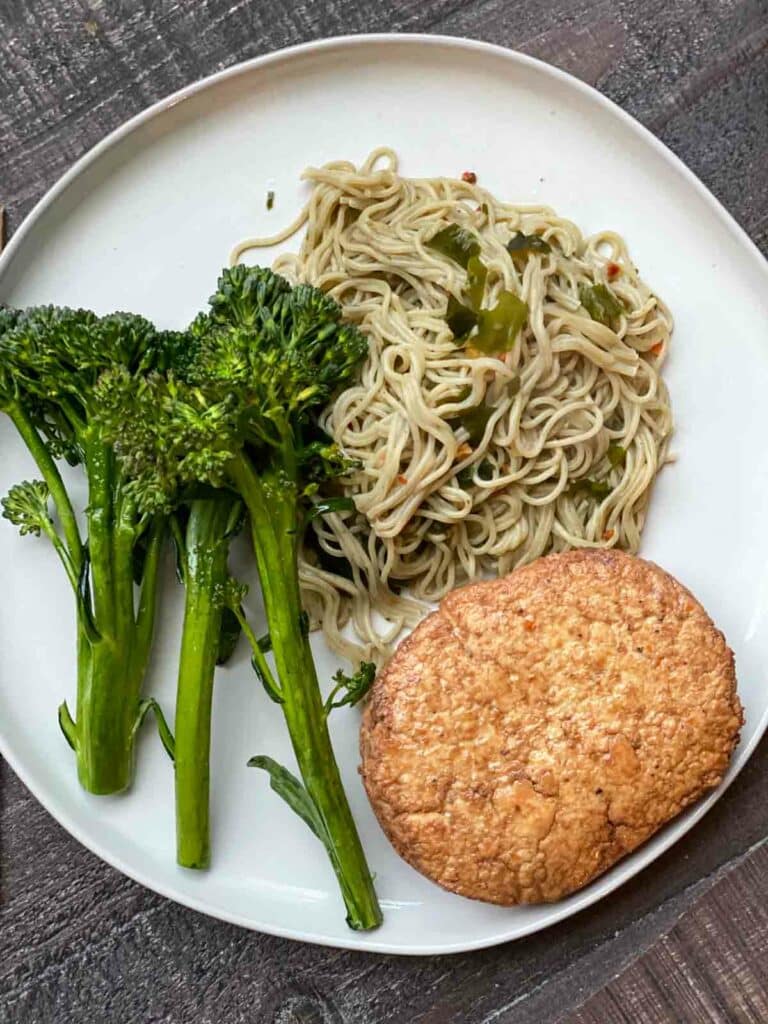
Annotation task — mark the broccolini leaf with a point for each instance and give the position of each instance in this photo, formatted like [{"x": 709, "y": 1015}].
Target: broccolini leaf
[
  {"x": 84, "y": 603},
  {"x": 139, "y": 557},
  {"x": 228, "y": 636},
  {"x": 270, "y": 687},
  {"x": 67, "y": 725},
  {"x": 326, "y": 505},
  {"x": 286, "y": 785},
  {"x": 163, "y": 729}
]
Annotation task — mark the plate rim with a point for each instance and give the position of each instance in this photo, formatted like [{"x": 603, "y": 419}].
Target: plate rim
[{"x": 677, "y": 828}]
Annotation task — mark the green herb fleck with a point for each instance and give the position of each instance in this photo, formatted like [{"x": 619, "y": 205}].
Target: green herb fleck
[
  {"x": 460, "y": 319},
  {"x": 498, "y": 328},
  {"x": 477, "y": 274},
  {"x": 474, "y": 421},
  {"x": 597, "y": 489},
  {"x": 327, "y": 505},
  {"x": 456, "y": 243},
  {"x": 467, "y": 475},
  {"x": 617, "y": 455},
  {"x": 523, "y": 244},
  {"x": 601, "y": 303},
  {"x": 270, "y": 199}
]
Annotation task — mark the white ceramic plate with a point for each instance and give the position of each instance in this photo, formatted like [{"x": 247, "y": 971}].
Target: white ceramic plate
[{"x": 145, "y": 222}]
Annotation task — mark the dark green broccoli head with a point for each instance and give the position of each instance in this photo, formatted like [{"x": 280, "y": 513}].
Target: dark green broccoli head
[
  {"x": 283, "y": 348},
  {"x": 52, "y": 360},
  {"x": 174, "y": 350},
  {"x": 55, "y": 353},
  {"x": 245, "y": 296},
  {"x": 249, "y": 374},
  {"x": 166, "y": 434}
]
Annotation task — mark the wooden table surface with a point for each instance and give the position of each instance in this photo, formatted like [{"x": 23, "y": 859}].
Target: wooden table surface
[{"x": 686, "y": 940}]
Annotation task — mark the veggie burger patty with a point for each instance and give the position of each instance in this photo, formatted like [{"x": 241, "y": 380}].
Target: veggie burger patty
[{"x": 536, "y": 728}]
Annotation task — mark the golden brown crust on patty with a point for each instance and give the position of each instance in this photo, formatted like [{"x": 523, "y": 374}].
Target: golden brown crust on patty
[{"x": 537, "y": 728}]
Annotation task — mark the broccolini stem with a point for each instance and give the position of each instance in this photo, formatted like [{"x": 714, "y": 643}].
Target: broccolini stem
[
  {"x": 274, "y": 514},
  {"x": 101, "y": 529},
  {"x": 125, "y": 534},
  {"x": 107, "y": 705},
  {"x": 111, "y": 668},
  {"x": 207, "y": 547},
  {"x": 145, "y": 614},
  {"x": 107, "y": 685},
  {"x": 50, "y": 473}
]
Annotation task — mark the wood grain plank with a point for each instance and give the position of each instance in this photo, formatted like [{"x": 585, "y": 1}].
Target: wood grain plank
[{"x": 711, "y": 967}]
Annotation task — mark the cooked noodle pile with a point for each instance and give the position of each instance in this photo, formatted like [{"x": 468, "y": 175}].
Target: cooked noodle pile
[{"x": 569, "y": 427}]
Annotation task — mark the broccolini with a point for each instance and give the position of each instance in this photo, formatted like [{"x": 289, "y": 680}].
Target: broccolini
[
  {"x": 204, "y": 528},
  {"x": 50, "y": 363},
  {"x": 234, "y": 410}
]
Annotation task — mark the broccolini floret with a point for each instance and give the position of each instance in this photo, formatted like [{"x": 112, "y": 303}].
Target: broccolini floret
[{"x": 26, "y": 506}]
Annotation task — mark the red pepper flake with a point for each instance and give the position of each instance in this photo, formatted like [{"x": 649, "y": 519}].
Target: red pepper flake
[
  {"x": 608, "y": 534},
  {"x": 529, "y": 625},
  {"x": 658, "y": 348},
  {"x": 470, "y": 177},
  {"x": 612, "y": 270},
  {"x": 402, "y": 479}
]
